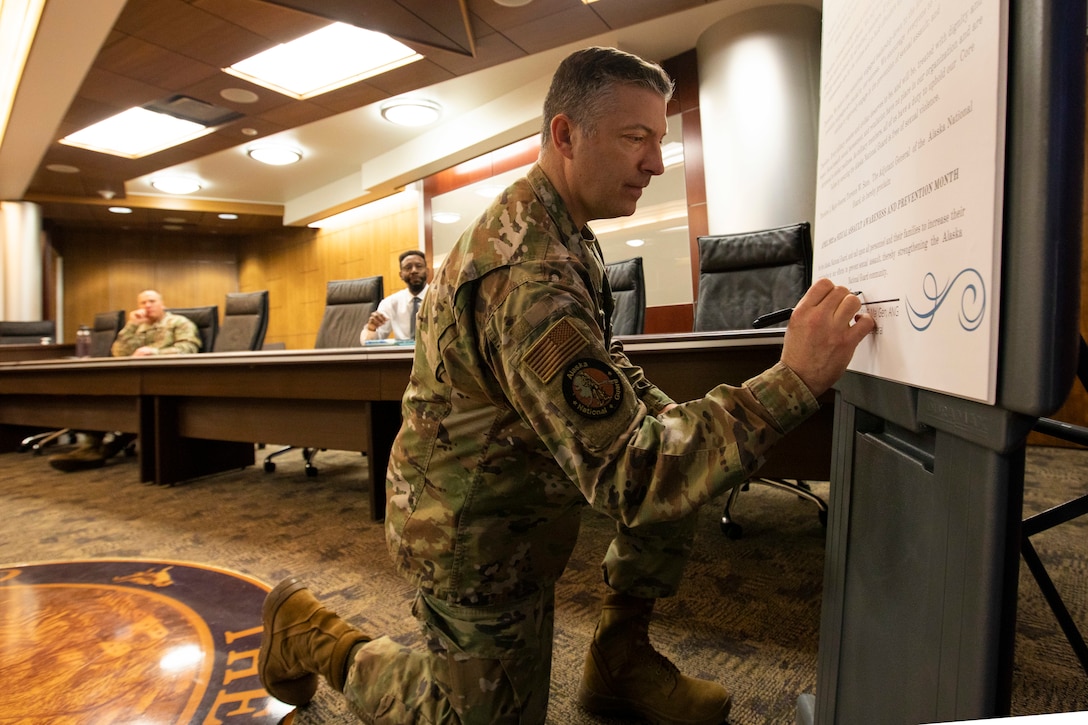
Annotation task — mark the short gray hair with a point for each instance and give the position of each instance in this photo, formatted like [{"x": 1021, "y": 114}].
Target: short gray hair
[{"x": 583, "y": 85}]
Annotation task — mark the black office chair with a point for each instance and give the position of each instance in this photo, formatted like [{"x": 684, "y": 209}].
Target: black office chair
[
  {"x": 26, "y": 332},
  {"x": 743, "y": 276},
  {"x": 245, "y": 321},
  {"x": 628, "y": 296},
  {"x": 348, "y": 305},
  {"x": 206, "y": 320},
  {"x": 103, "y": 333}
]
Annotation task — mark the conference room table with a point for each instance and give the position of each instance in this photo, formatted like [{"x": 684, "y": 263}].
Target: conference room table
[
  {"x": 27, "y": 351},
  {"x": 202, "y": 413}
]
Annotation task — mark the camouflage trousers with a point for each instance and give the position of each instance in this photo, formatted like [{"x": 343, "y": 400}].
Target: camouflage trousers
[
  {"x": 648, "y": 562},
  {"x": 481, "y": 665},
  {"x": 485, "y": 665}
]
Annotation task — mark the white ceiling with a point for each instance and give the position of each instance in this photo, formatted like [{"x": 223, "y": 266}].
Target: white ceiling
[{"x": 352, "y": 157}]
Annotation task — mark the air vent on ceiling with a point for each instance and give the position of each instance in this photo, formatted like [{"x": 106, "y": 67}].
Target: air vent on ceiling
[{"x": 190, "y": 109}]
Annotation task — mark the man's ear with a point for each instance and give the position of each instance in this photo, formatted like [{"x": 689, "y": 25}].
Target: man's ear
[{"x": 562, "y": 131}]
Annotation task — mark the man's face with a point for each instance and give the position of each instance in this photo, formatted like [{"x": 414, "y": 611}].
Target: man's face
[
  {"x": 413, "y": 270},
  {"x": 611, "y": 167},
  {"x": 151, "y": 304}
]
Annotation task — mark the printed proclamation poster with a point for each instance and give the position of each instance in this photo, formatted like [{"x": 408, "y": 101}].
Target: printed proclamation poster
[{"x": 909, "y": 183}]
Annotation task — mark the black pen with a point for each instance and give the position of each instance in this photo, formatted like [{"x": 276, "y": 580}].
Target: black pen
[{"x": 772, "y": 318}]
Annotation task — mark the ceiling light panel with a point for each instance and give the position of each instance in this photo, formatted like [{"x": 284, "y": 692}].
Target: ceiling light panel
[
  {"x": 135, "y": 133},
  {"x": 327, "y": 59}
]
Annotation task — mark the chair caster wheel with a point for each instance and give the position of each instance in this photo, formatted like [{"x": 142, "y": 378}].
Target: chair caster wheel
[
  {"x": 269, "y": 467},
  {"x": 732, "y": 529},
  {"x": 311, "y": 471}
]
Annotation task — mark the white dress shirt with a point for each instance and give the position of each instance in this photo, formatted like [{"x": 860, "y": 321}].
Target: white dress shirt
[{"x": 398, "y": 308}]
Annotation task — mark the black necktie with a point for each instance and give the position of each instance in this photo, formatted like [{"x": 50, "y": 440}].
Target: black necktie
[{"x": 415, "y": 311}]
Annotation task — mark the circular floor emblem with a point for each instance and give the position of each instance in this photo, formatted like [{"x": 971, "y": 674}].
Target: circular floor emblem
[{"x": 592, "y": 388}]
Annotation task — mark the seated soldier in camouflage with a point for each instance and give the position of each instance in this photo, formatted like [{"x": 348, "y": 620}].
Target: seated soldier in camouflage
[
  {"x": 520, "y": 410},
  {"x": 150, "y": 330}
]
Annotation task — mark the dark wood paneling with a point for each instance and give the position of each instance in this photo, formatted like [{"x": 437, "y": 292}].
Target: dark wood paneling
[{"x": 667, "y": 319}]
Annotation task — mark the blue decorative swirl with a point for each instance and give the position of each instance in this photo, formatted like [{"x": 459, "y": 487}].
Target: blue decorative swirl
[{"x": 973, "y": 296}]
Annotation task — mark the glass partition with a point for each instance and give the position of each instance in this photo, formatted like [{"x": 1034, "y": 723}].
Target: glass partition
[{"x": 657, "y": 231}]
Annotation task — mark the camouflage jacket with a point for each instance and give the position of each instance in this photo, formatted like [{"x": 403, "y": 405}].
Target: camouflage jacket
[
  {"x": 519, "y": 409},
  {"x": 171, "y": 335}
]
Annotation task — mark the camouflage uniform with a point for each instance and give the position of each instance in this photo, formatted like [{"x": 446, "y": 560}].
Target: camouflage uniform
[
  {"x": 171, "y": 335},
  {"x": 519, "y": 410}
]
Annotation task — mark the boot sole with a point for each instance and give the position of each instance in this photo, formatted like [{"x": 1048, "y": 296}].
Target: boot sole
[{"x": 294, "y": 692}]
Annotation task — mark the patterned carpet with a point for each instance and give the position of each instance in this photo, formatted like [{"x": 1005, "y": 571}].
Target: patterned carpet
[{"x": 748, "y": 613}]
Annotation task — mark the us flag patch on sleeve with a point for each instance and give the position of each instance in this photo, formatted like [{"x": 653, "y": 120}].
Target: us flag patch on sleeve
[{"x": 552, "y": 351}]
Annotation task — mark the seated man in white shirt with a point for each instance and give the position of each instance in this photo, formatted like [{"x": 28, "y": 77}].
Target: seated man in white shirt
[{"x": 396, "y": 314}]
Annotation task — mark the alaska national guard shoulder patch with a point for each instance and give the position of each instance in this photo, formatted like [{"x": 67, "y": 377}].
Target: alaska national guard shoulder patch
[
  {"x": 592, "y": 388},
  {"x": 551, "y": 352}
]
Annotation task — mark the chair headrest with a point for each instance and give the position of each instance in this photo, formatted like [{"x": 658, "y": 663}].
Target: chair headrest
[
  {"x": 246, "y": 303},
  {"x": 624, "y": 275},
  {"x": 764, "y": 248},
  {"x": 353, "y": 291}
]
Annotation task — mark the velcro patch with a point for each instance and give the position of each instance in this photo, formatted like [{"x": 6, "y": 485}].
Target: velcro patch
[
  {"x": 592, "y": 388},
  {"x": 555, "y": 349}
]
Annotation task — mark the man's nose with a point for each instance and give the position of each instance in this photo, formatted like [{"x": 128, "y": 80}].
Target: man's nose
[{"x": 654, "y": 163}]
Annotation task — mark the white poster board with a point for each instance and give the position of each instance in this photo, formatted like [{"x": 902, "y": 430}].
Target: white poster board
[{"x": 909, "y": 183}]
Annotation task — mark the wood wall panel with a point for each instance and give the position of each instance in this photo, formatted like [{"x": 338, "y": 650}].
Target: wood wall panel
[
  {"x": 297, "y": 264},
  {"x": 106, "y": 271}
]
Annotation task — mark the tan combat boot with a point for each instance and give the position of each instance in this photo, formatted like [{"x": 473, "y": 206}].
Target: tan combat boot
[
  {"x": 626, "y": 676},
  {"x": 302, "y": 640}
]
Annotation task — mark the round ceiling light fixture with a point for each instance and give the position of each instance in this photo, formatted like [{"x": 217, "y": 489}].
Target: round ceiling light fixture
[
  {"x": 512, "y": 3},
  {"x": 411, "y": 112},
  {"x": 274, "y": 155},
  {"x": 446, "y": 217},
  {"x": 239, "y": 95},
  {"x": 176, "y": 184},
  {"x": 120, "y": 210}
]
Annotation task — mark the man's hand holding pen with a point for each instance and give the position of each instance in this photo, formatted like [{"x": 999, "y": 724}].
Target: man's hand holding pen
[{"x": 825, "y": 328}]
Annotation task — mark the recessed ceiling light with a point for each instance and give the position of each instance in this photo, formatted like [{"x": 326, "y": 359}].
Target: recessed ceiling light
[
  {"x": 327, "y": 59},
  {"x": 228, "y": 217},
  {"x": 411, "y": 112},
  {"x": 120, "y": 210},
  {"x": 274, "y": 155},
  {"x": 176, "y": 184},
  {"x": 135, "y": 133},
  {"x": 446, "y": 217},
  {"x": 635, "y": 242},
  {"x": 63, "y": 169},
  {"x": 512, "y": 3}
]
